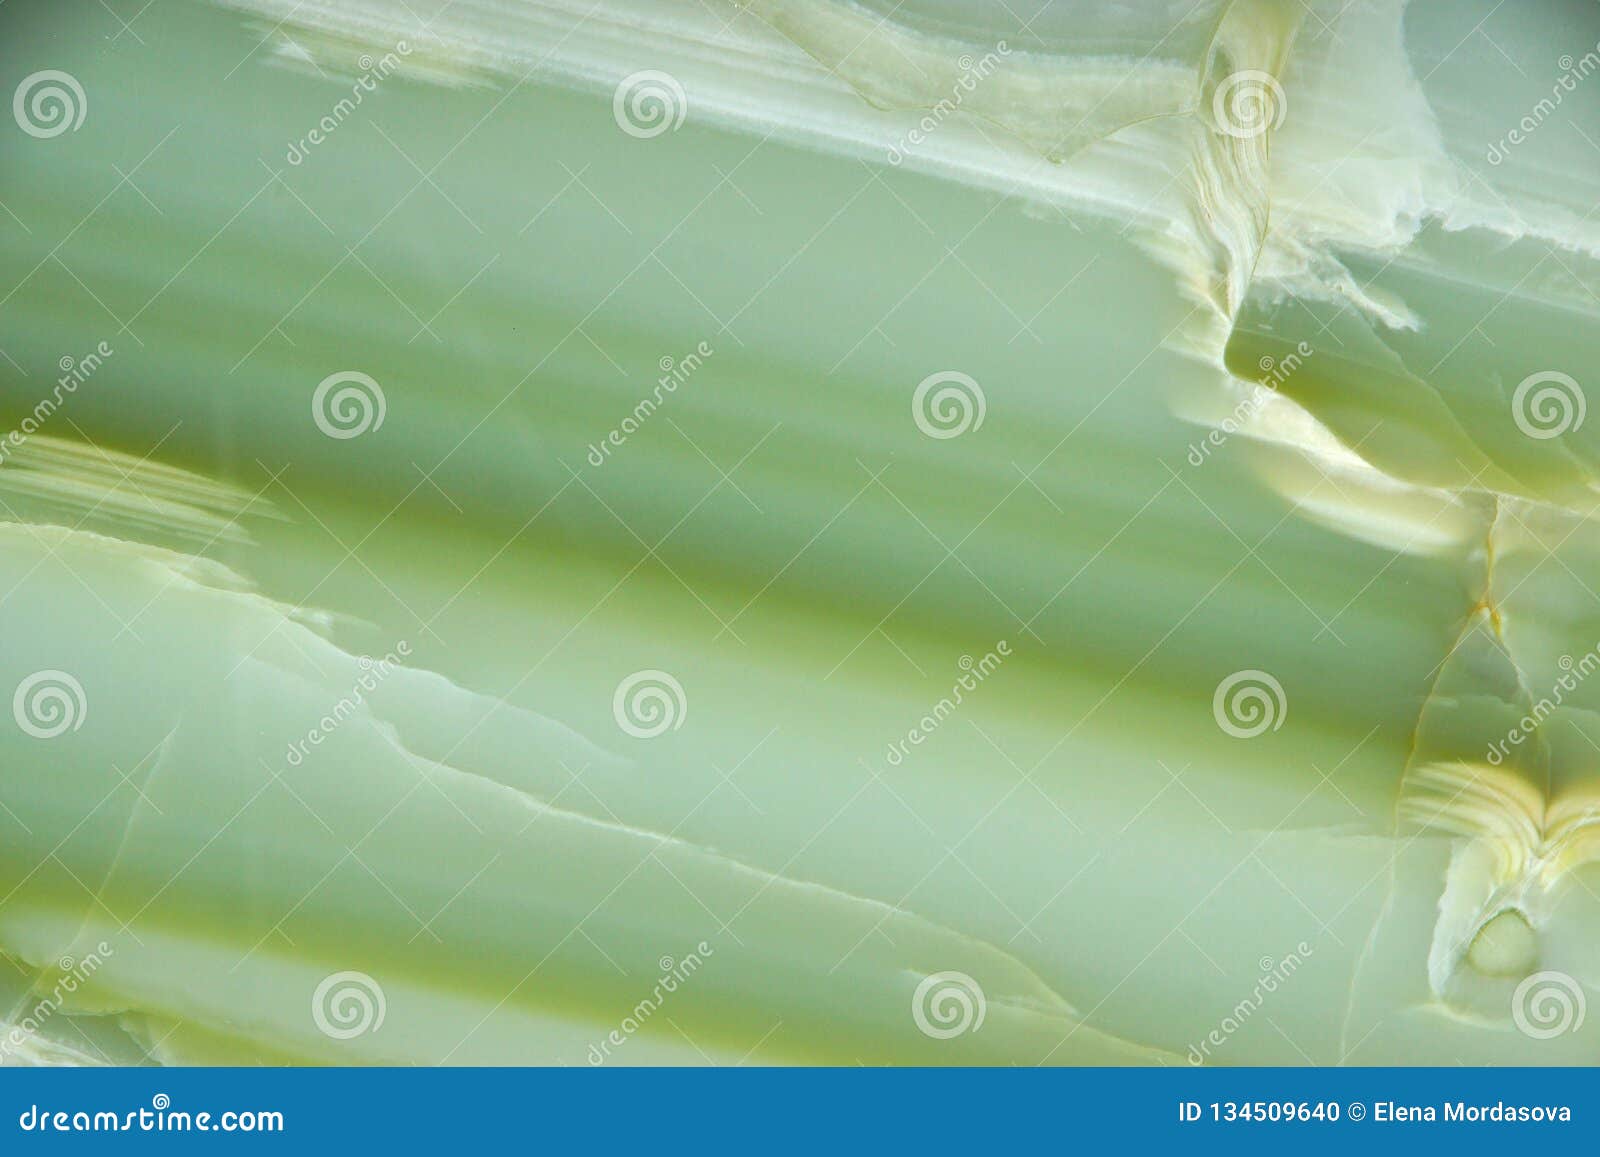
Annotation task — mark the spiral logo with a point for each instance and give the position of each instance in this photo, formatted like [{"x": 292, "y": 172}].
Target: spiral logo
[
  {"x": 1565, "y": 662},
  {"x": 948, "y": 404},
  {"x": 666, "y": 964},
  {"x": 947, "y": 1004},
  {"x": 364, "y": 62},
  {"x": 161, "y": 1101},
  {"x": 1564, "y": 62},
  {"x": 1248, "y": 103},
  {"x": 649, "y": 103},
  {"x": 348, "y": 404},
  {"x": 66, "y": 363},
  {"x": 1247, "y": 703},
  {"x": 1548, "y": 1004},
  {"x": 649, "y": 703},
  {"x": 1548, "y": 404},
  {"x": 66, "y": 964},
  {"x": 48, "y": 704},
  {"x": 348, "y": 1004},
  {"x": 49, "y": 103}
]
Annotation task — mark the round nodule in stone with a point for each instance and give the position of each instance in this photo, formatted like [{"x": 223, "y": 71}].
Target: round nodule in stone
[{"x": 1506, "y": 945}]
